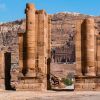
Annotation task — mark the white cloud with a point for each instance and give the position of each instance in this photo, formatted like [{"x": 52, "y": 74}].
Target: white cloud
[{"x": 2, "y": 6}]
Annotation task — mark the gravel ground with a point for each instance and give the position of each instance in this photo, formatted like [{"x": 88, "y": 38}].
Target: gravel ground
[{"x": 49, "y": 95}]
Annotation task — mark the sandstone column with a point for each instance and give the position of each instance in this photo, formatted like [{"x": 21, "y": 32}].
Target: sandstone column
[
  {"x": 90, "y": 47},
  {"x": 42, "y": 46},
  {"x": 78, "y": 48},
  {"x": 41, "y": 43},
  {"x": 20, "y": 43},
  {"x": 30, "y": 40}
]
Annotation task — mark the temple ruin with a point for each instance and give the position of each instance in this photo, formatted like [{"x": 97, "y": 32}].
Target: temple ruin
[{"x": 34, "y": 54}]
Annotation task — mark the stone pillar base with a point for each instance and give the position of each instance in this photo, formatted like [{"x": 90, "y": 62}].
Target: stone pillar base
[
  {"x": 30, "y": 84},
  {"x": 87, "y": 83}
]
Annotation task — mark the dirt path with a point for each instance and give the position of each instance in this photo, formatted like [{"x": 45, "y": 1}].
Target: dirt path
[{"x": 49, "y": 95}]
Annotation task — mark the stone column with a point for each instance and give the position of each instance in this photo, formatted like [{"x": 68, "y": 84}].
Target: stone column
[
  {"x": 42, "y": 46},
  {"x": 30, "y": 40},
  {"x": 20, "y": 43},
  {"x": 40, "y": 42},
  {"x": 90, "y": 47},
  {"x": 78, "y": 48}
]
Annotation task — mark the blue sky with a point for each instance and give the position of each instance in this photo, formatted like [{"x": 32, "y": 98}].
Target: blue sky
[{"x": 11, "y": 10}]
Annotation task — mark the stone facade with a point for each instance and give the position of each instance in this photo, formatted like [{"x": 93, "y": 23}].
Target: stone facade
[
  {"x": 87, "y": 52},
  {"x": 63, "y": 54}
]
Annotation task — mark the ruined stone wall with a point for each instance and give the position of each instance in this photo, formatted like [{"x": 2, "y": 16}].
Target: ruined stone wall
[{"x": 9, "y": 38}]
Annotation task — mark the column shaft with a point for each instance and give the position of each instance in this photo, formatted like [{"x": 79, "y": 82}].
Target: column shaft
[
  {"x": 41, "y": 41},
  {"x": 90, "y": 47},
  {"x": 30, "y": 39}
]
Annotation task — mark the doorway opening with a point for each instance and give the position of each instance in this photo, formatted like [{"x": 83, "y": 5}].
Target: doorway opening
[{"x": 7, "y": 57}]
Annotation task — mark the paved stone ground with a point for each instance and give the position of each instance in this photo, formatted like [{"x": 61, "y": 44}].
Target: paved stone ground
[{"x": 49, "y": 95}]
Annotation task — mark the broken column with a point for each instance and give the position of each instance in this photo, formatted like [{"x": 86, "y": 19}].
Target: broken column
[
  {"x": 90, "y": 47},
  {"x": 30, "y": 40}
]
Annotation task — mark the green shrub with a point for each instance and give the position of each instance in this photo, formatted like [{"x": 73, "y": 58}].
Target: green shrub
[{"x": 67, "y": 82}]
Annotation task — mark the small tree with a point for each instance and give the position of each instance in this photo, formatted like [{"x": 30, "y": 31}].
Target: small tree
[{"x": 69, "y": 79}]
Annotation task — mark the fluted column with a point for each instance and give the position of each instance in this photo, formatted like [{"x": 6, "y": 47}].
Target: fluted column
[
  {"x": 30, "y": 40},
  {"x": 90, "y": 47}
]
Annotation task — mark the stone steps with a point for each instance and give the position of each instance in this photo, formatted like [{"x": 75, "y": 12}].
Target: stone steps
[{"x": 33, "y": 86}]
